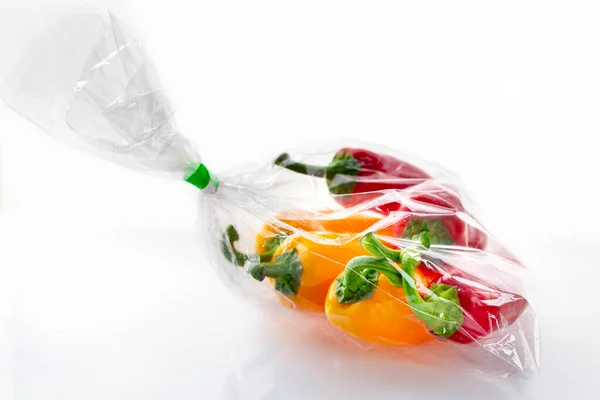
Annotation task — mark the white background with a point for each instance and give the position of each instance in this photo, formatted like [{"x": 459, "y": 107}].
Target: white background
[{"x": 106, "y": 291}]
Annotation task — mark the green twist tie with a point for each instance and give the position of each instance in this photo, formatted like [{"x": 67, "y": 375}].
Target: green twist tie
[{"x": 201, "y": 177}]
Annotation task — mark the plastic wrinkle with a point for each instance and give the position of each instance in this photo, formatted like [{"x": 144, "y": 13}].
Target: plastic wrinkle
[{"x": 494, "y": 265}]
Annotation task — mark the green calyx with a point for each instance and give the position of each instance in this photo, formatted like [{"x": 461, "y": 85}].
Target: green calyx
[
  {"x": 286, "y": 269},
  {"x": 271, "y": 246},
  {"x": 427, "y": 232},
  {"x": 440, "y": 309},
  {"x": 202, "y": 177},
  {"x": 340, "y": 174},
  {"x": 360, "y": 278},
  {"x": 442, "y": 306}
]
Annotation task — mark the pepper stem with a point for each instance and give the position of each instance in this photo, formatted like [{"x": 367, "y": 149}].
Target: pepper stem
[
  {"x": 376, "y": 264},
  {"x": 286, "y": 162},
  {"x": 440, "y": 309},
  {"x": 261, "y": 271},
  {"x": 231, "y": 235},
  {"x": 407, "y": 258},
  {"x": 409, "y": 262},
  {"x": 378, "y": 249},
  {"x": 286, "y": 271},
  {"x": 361, "y": 276}
]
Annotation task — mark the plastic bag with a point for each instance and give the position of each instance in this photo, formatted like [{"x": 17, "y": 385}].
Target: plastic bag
[{"x": 373, "y": 248}]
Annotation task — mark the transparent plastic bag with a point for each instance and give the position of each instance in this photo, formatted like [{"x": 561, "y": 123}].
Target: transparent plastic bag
[{"x": 372, "y": 248}]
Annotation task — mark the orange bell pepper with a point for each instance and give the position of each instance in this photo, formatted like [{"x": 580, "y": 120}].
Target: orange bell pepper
[
  {"x": 383, "y": 317},
  {"x": 379, "y": 298}
]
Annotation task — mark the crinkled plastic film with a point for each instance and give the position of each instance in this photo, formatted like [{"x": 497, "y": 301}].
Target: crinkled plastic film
[{"x": 372, "y": 248}]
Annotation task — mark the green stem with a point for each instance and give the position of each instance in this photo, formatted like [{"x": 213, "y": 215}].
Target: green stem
[
  {"x": 285, "y": 161},
  {"x": 408, "y": 260},
  {"x": 378, "y": 249},
  {"x": 231, "y": 235},
  {"x": 440, "y": 309},
  {"x": 409, "y": 264},
  {"x": 261, "y": 271},
  {"x": 376, "y": 264},
  {"x": 361, "y": 276},
  {"x": 286, "y": 271}
]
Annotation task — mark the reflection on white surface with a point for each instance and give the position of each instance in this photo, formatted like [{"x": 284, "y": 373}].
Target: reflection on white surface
[{"x": 298, "y": 366}]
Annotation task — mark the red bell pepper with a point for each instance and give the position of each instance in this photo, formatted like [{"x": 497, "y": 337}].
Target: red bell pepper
[
  {"x": 486, "y": 308},
  {"x": 354, "y": 171},
  {"x": 357, "y": 176}
]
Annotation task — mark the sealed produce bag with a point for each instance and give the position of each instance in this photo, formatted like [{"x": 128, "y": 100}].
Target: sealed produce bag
[{"x": 373, "y": 248}]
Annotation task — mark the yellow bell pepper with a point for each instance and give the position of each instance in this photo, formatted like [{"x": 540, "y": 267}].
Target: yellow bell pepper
[
  {"x": 301, "y": 266},
  {"x": 316, "y": 221}
]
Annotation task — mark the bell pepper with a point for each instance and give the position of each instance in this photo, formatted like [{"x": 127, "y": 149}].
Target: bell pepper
[
  {"x": 358, "y": 176},
  {"x": 304, "y": 268},
  {"x": 379, "y": 302},
  {"x": 484, "y": 308},
  {"x": 301, "y": 267},
  {"x": 367, "y": 301},
  {"x": 353, "y": 172}
]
